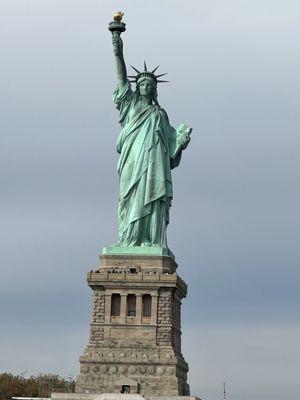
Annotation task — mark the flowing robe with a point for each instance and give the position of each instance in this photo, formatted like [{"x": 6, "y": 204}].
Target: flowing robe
[{"x": 149, "y": 147}]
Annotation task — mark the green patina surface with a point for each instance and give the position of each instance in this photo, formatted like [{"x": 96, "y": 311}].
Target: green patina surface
[
  {"x": 149, "y": 148},
  {"x": 140, "y": 250}
]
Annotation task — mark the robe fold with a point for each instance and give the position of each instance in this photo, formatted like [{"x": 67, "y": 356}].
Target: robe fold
[{"x": 149, "y": 148}]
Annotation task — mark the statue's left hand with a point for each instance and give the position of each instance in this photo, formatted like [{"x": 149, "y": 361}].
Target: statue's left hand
[
  {"x": 186, "y": 141},
  {"x": 185, "y": 136}
]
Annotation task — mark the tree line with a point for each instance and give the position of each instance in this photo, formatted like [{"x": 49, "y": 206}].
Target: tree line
[{"x": 41, "y": 385}]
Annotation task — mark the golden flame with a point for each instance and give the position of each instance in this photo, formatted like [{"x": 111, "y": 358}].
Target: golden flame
[{"x": 118, "y": 16}]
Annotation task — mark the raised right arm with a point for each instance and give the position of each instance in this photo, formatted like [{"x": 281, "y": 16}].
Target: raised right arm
[{"x": 119, "y": 57}]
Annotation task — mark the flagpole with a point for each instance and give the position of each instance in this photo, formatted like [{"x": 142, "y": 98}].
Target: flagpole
[{"x": 224, "y": 391}]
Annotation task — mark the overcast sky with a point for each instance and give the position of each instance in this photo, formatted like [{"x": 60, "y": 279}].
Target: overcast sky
[{"x": 234, "y": 71}]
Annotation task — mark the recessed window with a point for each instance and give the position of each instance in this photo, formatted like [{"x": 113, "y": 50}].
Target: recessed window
[
  {"x": 131, "y": 305},
  {"x": 115, "y": 305},
  {"x": 146, "y": 300}
]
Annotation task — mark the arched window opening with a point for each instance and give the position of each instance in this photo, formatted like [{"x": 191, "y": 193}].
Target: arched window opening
[
  {"x": 147, "y": 300},
  {"x": 125, "y": 389},
  {"x": 131, "y": 305},
  {"x": 115, "y": 305}
]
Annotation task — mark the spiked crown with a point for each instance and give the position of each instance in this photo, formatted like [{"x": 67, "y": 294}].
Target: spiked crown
[{"x": 145, "y": 74}]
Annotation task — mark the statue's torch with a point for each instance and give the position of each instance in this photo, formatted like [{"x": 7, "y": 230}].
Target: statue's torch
[{"x": 117, "y": 25}]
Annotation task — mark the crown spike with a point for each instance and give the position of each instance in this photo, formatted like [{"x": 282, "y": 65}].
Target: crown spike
[
  {"x": 136, "y": 70},
  {"x": 146, "y": 74},
  {"x": 154, "y": 69}
]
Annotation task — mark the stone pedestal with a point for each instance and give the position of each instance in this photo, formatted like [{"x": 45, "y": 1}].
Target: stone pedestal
[
  {"x": 135, "y": 337},
  {"x": 115, "y": 396}
]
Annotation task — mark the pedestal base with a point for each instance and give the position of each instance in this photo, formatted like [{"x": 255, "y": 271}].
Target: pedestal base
[
  {"x": 135, "y": 336},
  {"x": 115, "y": 396}
]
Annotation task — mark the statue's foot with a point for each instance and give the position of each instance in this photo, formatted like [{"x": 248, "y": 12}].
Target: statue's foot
[
  {"x": 146, "y": 244},
  {"x": 149, "y": 244}
]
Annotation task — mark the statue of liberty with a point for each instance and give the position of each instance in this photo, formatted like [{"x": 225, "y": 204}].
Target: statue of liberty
[{"x": 149, "y": 148}]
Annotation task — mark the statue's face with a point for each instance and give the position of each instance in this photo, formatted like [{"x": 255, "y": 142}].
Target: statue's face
[{"x": 146, "y": 86}]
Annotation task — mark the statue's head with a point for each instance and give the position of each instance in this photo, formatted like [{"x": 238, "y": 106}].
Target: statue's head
[
  {"x": 146, "y": 86},
  {"x": 146, "y": 81}
]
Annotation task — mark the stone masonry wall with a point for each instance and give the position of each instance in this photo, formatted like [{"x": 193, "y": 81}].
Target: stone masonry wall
[
  {"x": 134, "y": 348},
  {"x": 98, "y": 317},
  {"x": 168, "y": 319},
  {"x": 177, "y": 324},
  {"x": 165, "y": 317}
]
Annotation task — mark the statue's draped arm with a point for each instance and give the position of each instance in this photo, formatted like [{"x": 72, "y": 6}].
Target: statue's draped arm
[{"x": 119, "y": 57}]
